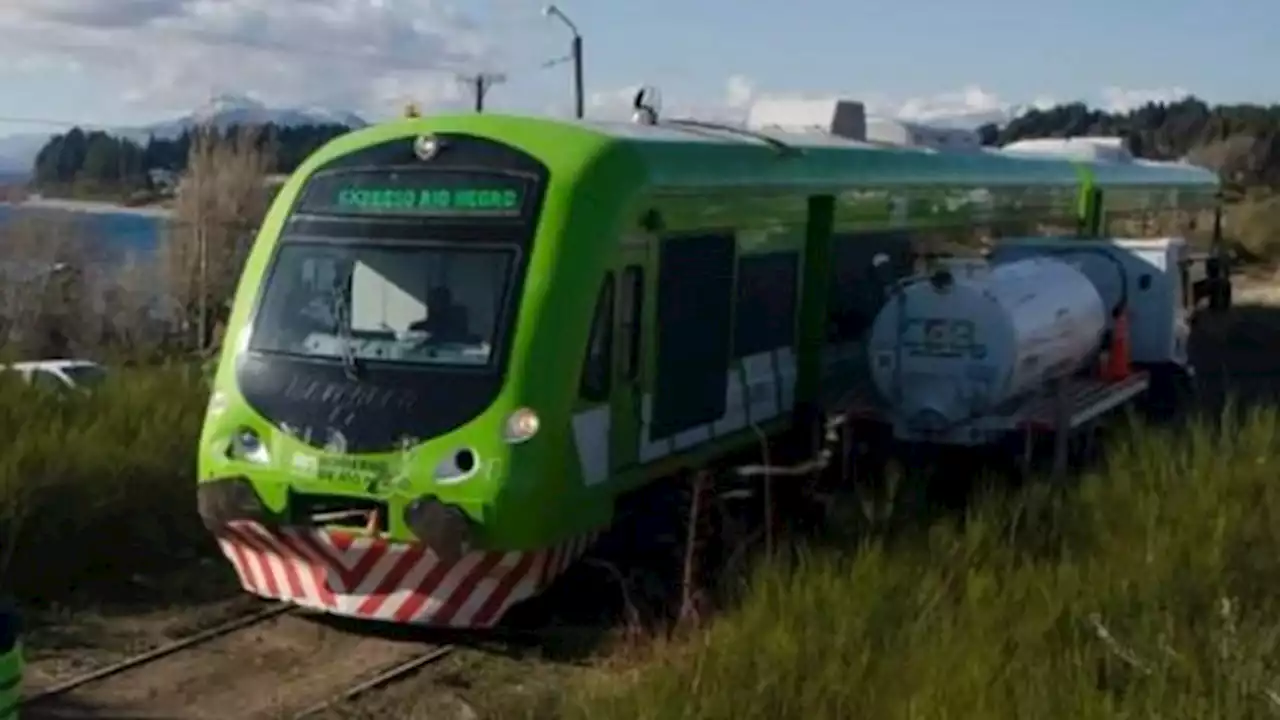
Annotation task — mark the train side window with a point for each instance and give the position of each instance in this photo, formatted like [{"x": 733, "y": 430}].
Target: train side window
[
  {"x": 632, "y": 311},
  {"x": 594, "y": 385},
  {"x": 693, "y": 334},
  {"x": 765, "y": 312}
]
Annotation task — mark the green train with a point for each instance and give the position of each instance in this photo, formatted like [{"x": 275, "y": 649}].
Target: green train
[{"x": 460, "y": 341}]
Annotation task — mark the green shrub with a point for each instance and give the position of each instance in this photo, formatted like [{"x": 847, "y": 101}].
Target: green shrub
[
  {"x": 1146, "y": 591},
  {"x": 99, "y": 486}
]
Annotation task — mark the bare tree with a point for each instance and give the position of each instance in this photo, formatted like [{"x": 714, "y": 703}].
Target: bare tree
[
  {"x": 221, "y": 200},
  {"x": 44, "y": 303}
]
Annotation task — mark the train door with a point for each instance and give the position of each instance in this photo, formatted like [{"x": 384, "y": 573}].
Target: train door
[{"x": 627, "y": 402}]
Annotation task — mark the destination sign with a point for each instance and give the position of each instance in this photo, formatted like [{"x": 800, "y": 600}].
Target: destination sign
[{"x": 422, "y": 194}]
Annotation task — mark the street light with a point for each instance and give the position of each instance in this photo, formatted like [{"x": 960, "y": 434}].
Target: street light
[{"x": 575, "y": 53}]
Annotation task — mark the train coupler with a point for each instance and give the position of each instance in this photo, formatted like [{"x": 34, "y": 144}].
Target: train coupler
[{"x": 225, "y": 500}]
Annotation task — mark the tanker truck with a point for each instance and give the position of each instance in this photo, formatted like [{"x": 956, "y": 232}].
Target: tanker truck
[{"x": 1043, "y": 336}]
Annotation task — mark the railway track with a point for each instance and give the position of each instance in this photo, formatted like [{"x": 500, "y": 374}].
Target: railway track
[{"x": 277, "y": 663}]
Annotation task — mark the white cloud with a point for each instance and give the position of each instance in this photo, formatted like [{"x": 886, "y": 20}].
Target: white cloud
[
  {"x": 168, "y": 55},
  {"x": 968, "y": 107},
  {"x": 971, "y": 106},
  {"x": 1116, "y": 99}
]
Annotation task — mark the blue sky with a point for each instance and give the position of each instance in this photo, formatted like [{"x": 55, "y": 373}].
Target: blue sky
[
  {"x": 127, "y": 61},
  {"x": 920, "y": 48}
]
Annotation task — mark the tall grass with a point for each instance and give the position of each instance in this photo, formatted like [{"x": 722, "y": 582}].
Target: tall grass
[
  {"x": 1147, "y": 591},
  {"x": 98, "y": 487}
]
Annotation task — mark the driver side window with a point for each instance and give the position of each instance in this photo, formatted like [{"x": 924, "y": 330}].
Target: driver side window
[{"x": 595, "y": 385}]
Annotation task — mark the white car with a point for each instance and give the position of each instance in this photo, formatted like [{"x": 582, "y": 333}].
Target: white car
[{"x": 60, "y": 374}]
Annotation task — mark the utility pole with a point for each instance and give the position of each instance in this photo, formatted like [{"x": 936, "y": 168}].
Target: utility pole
[
  {"x": 575, "y": 52},
  {"x": 579, "y": 102},
  {"x": 480, "y": 84}
]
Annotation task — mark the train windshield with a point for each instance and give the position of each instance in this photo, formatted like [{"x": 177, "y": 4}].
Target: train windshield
[{"x": 423, "y": 304}]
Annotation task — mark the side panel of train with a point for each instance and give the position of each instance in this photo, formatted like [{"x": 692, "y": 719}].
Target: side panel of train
[
  {"x": 696, "y": 342},
  {"x": 694, "y": 339},
  {"x": 695, "y": 348}
]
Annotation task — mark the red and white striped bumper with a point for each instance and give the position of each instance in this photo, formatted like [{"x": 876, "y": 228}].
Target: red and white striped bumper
[{"x": 373, "y": 579}]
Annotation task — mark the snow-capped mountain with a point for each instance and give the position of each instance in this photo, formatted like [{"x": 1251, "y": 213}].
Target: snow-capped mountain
[
  {"x": 18, "y": 152},
  {"x": 226, "y": 110}
]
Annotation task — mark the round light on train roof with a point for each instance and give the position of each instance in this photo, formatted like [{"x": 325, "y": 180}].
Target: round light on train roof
[{"x": 426, "y": 146}]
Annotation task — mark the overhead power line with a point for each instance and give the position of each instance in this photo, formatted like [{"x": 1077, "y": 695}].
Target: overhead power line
[{"x": 51, "y": 122}]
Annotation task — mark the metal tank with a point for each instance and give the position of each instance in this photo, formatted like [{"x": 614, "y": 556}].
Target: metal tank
[{"x": 957, "y": 344}]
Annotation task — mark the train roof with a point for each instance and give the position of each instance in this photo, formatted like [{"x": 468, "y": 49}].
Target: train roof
[{"x": 686, "y": 154}]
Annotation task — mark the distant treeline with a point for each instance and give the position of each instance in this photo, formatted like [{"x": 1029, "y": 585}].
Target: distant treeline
[
  {"x": 1241, "y": 142},
  {"x": 101, "y": 161}
]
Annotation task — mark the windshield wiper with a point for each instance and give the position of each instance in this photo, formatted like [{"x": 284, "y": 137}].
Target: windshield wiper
[{"x": 342, "y": 328}]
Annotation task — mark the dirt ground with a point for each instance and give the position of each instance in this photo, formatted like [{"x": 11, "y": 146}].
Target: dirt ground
[
  {"x": 64, "y": 641},
  {"x": 470, "y": 685},
  {"x": 274, "y": 669}
]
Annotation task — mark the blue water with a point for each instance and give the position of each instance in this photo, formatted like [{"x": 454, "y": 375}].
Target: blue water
[{"x": 113, "y": 235}]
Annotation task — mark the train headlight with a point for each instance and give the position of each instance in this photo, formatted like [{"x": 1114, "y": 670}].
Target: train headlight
[
  {"x": 247, "y": 445},
  {"x": 426, "y": 147},
  {"x": 521, "y": 426}
]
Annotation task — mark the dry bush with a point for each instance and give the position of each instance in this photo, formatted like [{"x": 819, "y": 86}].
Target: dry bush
[
  {"x": 43, "y": 295},
  {"x": 220, "y": 202},
  {"x": 60, "y": 297}
]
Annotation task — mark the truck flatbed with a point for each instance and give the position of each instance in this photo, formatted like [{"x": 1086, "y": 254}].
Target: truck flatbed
[{"x": 1060, "y": 410}]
